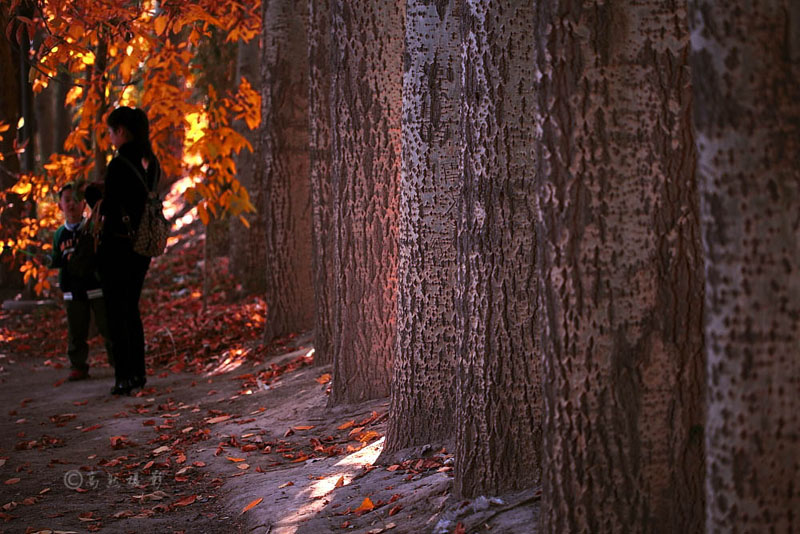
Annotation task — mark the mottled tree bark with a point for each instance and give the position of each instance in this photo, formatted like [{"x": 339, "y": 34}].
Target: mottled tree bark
[
  {"x": 621, "y": 266},
  {"x": 746, "y": 77},
  {"x": 247, "y": 242},
  {"x": 322, "y": 235},
  {"x": 366, "y": 104},
  {"x": 284, "y": 145},
  {"x": 423, "y": 386},
  {"x": 498, "y": 401}
]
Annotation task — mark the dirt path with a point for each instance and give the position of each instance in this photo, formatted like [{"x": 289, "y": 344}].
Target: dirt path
[{"x": 244, "y": 447}]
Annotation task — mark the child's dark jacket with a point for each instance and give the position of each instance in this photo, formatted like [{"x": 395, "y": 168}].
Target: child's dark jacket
[{"x": 76, "y": 287}]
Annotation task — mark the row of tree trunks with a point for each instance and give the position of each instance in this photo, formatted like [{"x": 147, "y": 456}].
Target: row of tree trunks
[
  {"x": 546, "y": 251},
  {"x": 284, "y": 152},
  {"x": 746, "y": 79},
  {"x": 366, "y": 102}
]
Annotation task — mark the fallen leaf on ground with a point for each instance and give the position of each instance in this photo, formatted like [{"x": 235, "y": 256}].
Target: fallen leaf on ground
[
  {"x": 290, "y": 483},
  {"x": 219, "y": 419},
  {"x": 345, "y": 426},
  {"x": 123, "y": 514},
  {"x": 304, "y": 427},
  {"x": 186, "y": 501},
  {"x": 90, "y": 428},
  {"x": 324, "y": 379},
  {"x": 233, "y": 459},
  {"x": 340, "y": 482},
  {"x": 366, "y": 506},
  {"x": 11, "y": 481},
  {"x": 253, "y": 504}
]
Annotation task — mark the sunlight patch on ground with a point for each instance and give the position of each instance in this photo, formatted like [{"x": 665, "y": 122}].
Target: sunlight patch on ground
[
  {"x": 349, "y": 467},
  {"x": 232, "y": 359}
]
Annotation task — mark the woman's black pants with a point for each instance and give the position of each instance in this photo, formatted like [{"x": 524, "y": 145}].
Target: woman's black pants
[{"x": 122, "y": 273}]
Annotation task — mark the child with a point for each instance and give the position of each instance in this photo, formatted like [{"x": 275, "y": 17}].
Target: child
[{"x": 82, "y": 295}]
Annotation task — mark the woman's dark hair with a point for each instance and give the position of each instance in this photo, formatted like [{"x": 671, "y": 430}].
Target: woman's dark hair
[{"x": 134, "y": 120}]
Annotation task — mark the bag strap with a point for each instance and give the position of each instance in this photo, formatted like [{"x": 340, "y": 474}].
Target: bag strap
[{"x": 139, "y": 175}]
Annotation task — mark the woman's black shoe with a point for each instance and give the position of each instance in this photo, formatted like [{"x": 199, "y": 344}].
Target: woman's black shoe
[
  {"x": 137, "y": 382},
  {"x": 122, "y": 387}
]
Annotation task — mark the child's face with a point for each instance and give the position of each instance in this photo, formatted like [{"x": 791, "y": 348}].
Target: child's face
[{"x": 72, "y": 208}]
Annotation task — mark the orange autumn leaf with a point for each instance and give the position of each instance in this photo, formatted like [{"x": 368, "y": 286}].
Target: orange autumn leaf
[
  {"x": 366, "y": 506},
  {"x": 253, "y": 504},
  {"x": 186, "y": 501},
  {"x": 324, "y": 379},
  {"x": 233, "y": 459},
  {"x": 345, "y": 426},
  {"x": 304, "y": 427},
  {"x": 340, "y": 482}
]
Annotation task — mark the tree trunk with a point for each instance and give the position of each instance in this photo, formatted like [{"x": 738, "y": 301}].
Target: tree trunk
[
  {"x": 12, "y": 212},
  {"x": 62, "y": 123},
  {"x": 26, "y": 134},
  {"x": 746, "y": 76},
  {"x": 10, "y": 104},
  {"x": 621, "y": 269},
  {"x": 284, "y": 78},
  {"x": 98, "y": 84},
  {"x": 366, "y": 101},
  {"x": 44, "y": 105},
  {"x": 498, "y": 405},
  {"x": 319, "y": 105},
  {"x": 423, "y": 386},
  {"x": 247, "y": 243}
]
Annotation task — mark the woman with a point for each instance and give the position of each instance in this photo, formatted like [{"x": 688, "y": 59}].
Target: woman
[{"x": 133, "y": 171}]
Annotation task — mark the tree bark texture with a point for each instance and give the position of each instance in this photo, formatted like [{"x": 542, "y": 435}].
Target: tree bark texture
[
  {"x": 322, "y": 235},
  {"x": 366, "y": 100},
  {"x": 289, "y": 295},
  {"x": 247, "y": 249},
  {"x": 621, "y": 265},
  {"x": 498, "y": 402},
  {"x": 423, "y": 387},
  {"x": 746, "y": 77}
]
